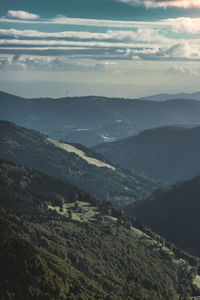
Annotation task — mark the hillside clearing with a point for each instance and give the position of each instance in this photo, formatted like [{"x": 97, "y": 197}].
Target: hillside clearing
[{"x": 80, "y": 153}]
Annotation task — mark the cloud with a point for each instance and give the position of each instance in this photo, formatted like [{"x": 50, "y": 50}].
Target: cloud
[
  {"x": 181, "y": 51},
  {"x": 90, "y": 22},
  {"x": 180, "y": 70},
  {"x": 187, "y": 25},
  {"x": 163, "y": 3},
  {"x": 183, "y": 24},
  {"x": 55, "y": 43},
  {"x": 139, "y": 44},
  {"x": 140, "y": 35},
  {"x": 19, "y": 14},
  {"x": 76, "y": 53},
  {"x": 20, "y": 62},
  {"x": 176, "y": 24},
  {"x": 4, "y": 62}
]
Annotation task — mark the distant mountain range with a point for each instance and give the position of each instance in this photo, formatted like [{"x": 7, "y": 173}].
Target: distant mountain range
[
  {"x": 174, "y": 214},
  {"x": 75, "y": 163},
  {"x": 93, "y": 120},
  {"x": 60, "y": 243},
  {"x": 168, "y": 153},
  {"x": 165, "y": 96}
]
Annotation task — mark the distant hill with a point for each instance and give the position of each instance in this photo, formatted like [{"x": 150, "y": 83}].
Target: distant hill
[
  {"x": 166, "y": 96},
  {"x": 75, "y": 163},
  {"x": 174, "y": 214},
  {"x": 92, "y": 120},
  {"x": 60, "y": 243},
  {"x": 168, "y": 153}
]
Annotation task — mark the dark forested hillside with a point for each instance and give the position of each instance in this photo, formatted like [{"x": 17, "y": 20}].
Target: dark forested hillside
[
  {"x": 60, "y": 243},
  {"x": 174, "y": 213},
  {"x": 95, "y": 175},
  {"x": 93, "y": 120},
  {"x": 167, "y": 153}
]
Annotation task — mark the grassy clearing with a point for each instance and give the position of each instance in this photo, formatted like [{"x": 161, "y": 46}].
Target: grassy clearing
[
  {"x": 78, "y": 211},
  {"x": 80, "y": 153}
]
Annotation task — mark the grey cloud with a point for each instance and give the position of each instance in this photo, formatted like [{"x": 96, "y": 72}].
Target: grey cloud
[
  {"x": 181, "y": 51},
  {"x": 18, "y": 62},
  {"x": 181, "y": 70}
]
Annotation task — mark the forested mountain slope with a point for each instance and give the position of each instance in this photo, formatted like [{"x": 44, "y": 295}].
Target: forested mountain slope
[
  {"x": 174, "y": 213},
  {"x": 61, "y": 243},
  {"x": 167, "y": 153},
  {"x": 74, "y": 163}
]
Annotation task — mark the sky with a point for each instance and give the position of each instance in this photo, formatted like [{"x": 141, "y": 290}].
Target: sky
[{"x": 114, "y": 48}]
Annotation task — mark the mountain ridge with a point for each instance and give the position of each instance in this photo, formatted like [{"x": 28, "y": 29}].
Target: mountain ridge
[
  {"x": 164, "y": 97},
  {"x": 168, "y": 96},
  {"x": 92, "y": 120},
  {"x": 170, "y": 153}
]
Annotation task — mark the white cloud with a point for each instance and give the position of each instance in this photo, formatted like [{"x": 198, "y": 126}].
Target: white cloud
[
  {"x": 20, "y": 14},
  {"x": 164, "y": 3},
  {"x": 89, "y": 44},
  {"x": 105, "y": 50},
  {"x": 141, "y": 35},
  {"x": 188, "y": 25},
  {"x": 91, "y": 22},
  {"x": 183, "y": 50},
  {"x": 181, "y": 70},
  {"x": 83, "y": 35}
]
